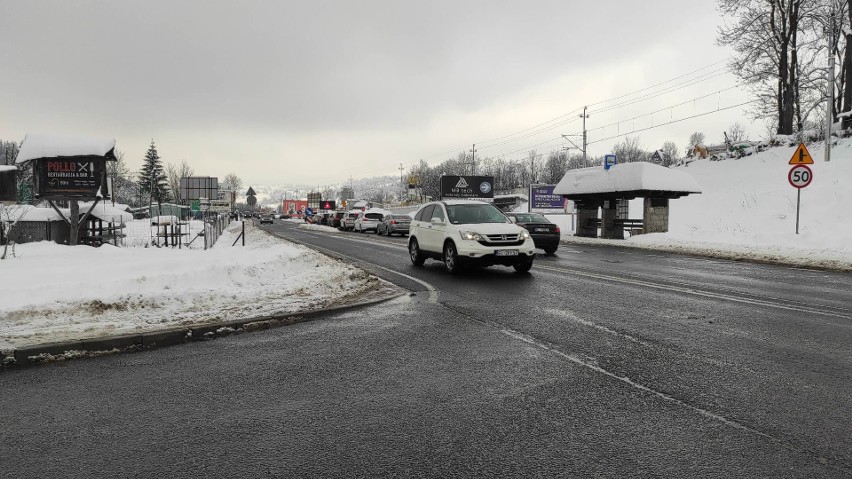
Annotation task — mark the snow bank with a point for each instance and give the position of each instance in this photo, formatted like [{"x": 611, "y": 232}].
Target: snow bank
[
  {"x": 748, "y": 210},
  {"x": 62, "y": 293}
]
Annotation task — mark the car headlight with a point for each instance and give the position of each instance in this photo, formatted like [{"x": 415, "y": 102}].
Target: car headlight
[
  {"x": 471, "y": 236},
  {"x": 525, "y": 235}
]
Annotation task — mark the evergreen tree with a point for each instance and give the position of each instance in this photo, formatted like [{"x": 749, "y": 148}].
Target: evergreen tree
[{"x": 152, "y": 178}]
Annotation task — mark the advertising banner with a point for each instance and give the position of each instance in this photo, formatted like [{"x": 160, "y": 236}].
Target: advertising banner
[
  {"x": 468, "y": 186},
  {"x": 542, "y": 198},
  {"x": 70, "y": 178}
]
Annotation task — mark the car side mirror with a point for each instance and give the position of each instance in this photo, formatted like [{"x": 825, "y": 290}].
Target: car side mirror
[
  {"x": 513, "y": 219},
  {"x": 436, "y": 221}
]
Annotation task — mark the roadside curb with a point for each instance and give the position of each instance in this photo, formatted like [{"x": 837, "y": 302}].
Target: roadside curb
[{"x": 83, "y": 348}]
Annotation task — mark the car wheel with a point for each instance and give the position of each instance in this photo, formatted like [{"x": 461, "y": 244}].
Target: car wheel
[
  {"x": 417, "y": 258},
  {"x": 550, "y": 249},
  {"x": 523, "y": 267},
  {"x": 451, "y": 260}
]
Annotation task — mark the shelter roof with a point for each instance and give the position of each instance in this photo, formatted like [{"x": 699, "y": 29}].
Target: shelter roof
[
  {"x": 49, "y": 146},
  {"x": 627, "y": 181}
]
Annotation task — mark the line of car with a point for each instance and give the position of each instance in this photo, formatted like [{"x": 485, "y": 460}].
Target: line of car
[{"x": 459, "y": 233}]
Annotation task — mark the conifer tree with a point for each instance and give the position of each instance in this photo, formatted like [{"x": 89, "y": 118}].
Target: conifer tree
[{"x": 152, "y": 176}]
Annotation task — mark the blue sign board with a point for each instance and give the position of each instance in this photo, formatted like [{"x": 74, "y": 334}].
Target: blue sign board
[
  {"x": 609, "y": 160},
  {"x": 542, "y": 198},
  {"x": 309, "y": 211}
]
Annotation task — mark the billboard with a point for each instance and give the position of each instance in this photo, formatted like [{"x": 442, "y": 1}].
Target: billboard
[
  {"x": 468, "y": 186},
  {"x": 314, "y": 200},
  {"x": 80, "y": 178},
  {"x": 542, "y": 198},
  {"x": 196, "y": 187}
]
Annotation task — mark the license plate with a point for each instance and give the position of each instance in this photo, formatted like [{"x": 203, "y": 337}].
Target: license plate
[
  {"x": 506, "y": 252},
  {"x": 542, "y": 230}
]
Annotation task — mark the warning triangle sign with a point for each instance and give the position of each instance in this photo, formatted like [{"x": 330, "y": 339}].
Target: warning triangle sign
[{"x": 801, "y": 156}]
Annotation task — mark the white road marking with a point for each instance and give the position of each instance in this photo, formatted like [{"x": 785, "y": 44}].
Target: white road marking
[
  {"x": 696, "y": 292},
  {"x": 575, "y": 359}
]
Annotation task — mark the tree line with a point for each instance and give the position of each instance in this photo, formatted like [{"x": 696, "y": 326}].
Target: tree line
[{"x": 781, "y": 51}]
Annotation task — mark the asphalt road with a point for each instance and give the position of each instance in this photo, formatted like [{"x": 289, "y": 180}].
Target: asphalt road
[{"x": 601, "y": 362}]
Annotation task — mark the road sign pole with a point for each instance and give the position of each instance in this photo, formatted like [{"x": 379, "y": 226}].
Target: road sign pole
[{"x": 798, "y": 203}]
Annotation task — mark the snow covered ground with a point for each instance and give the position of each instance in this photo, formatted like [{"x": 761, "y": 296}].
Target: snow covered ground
[
  {"x": 62, "y": 293},
  {"x": 747, "y": 209}
]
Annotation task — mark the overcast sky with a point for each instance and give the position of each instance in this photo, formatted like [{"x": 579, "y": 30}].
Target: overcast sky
[{"x": 315, "y": 92}]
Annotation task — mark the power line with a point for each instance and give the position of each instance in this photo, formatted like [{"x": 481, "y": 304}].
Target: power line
[
  {"x": 658, "y": 84},
  {"x": 673, "y": 121}
]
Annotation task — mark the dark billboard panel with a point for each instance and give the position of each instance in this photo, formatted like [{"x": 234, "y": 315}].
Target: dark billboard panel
[
  {"x": 58, "y": 177},
  {"x": 542, "y": 198},
  {"x": 468, "y": 186}
]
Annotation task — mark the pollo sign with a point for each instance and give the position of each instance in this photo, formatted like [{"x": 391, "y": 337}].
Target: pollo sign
[{"x": 70, "y": 178}]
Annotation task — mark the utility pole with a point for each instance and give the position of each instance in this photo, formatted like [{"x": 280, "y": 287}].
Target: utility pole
[
  {"x": 401, "y": 184},
  {"x": 829, "y": 115},
  {"x": 584, "y": 116},
  {"x": 473, "y": 159}
]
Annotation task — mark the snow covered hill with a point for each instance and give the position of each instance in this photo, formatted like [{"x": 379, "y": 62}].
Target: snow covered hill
[{"x": 747, "y": 209}]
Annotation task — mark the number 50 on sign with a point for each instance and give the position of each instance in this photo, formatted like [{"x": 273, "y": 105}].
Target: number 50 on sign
[{"x": 800, "y": 176}]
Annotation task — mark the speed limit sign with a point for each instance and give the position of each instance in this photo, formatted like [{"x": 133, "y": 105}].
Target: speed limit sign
[{"x": 800, "y": 176}]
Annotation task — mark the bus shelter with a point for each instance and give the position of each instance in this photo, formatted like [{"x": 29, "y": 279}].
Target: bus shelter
[{"x": 609, "y": 190}]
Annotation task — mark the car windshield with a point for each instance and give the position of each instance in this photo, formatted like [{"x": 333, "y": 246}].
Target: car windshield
[
  {"x": 475, "y": 213},
  {"x": 401, "y": 217},
  {"x": 530, "y": 218}
]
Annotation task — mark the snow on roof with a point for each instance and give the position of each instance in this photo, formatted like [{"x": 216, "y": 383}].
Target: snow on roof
[
  {"x": 106, "y": 212},
  {"x": 31, "y": 213},
  {"x": 8, "y": 167},
  {"x": 101, "y": 211},
  {"x": 48, "y": 146},
  {"x": 639, "y": 176}
]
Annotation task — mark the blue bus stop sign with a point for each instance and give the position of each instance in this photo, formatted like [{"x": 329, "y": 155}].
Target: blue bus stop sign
[{"x": 609, "y": 160}]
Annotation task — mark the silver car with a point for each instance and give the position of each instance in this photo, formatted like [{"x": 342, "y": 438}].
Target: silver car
[{"x": 394, "y": 224}]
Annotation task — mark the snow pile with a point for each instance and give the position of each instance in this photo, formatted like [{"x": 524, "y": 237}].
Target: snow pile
[
  {"x": 748, "y": 210},
  {"x": 62, "y": 293},
  {"x": 323, "y": 228}
]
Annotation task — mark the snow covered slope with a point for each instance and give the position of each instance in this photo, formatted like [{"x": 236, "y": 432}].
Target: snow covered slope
[{"x": 748, "y": 209}]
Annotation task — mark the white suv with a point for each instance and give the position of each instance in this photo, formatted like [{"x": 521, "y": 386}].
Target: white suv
[{"x": 468, "y": 232}]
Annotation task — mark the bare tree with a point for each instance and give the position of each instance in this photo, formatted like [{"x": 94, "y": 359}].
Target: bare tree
[
  {"x": 671, "y": 153},
  {"x": 629, "y": 150},
  {"x": 174, "y": 174},
  {"x": 124, "y": 188},
  {"x": 696, "y": 138},
  {"x": 555, "y": 167},
  {"x": 736, "y": 133},
  {"x": 232, "y": 182},
  {"x": 768, "y": 37}
]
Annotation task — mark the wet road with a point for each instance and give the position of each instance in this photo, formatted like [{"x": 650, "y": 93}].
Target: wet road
[{"x": 602, "y": 361}]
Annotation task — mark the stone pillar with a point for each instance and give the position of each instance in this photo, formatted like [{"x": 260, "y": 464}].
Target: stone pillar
[
  {"x": 587, "y": 215},
  {"x": 656, "y": 215},
  {"x": 609, "y": 212}
]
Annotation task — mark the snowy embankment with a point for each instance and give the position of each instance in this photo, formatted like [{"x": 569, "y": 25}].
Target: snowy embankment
[
  {"x": 59, "y": 293},
  {"x": 747, "y": 210}
]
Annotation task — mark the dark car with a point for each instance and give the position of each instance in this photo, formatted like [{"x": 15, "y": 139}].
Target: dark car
[
  {"x": 266, "y": 218},
  {"x": 337, "y": 219},
  {"x": 394, "y": 224},
  {"x": 545, "y": 234},
  {"x": 322, "y": 218}
]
